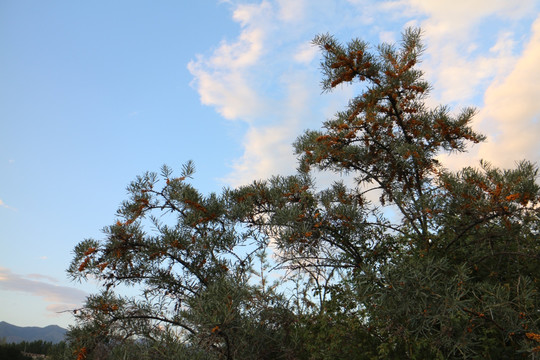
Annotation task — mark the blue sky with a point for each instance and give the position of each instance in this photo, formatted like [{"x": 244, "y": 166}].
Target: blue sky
[{"x": 94, "y": 93}]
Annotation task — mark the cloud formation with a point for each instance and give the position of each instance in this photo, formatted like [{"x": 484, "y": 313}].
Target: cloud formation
[
  {"x": 268, "y": 77},
  {"x": 223, "y": 80},
  {"x": 244, "y": 81},
  {"x": 457, "y": 62},
  {"x": 42, "y": 277},
  {"x": 59, "y": 297},
  {"x": 512, "y": 109}
]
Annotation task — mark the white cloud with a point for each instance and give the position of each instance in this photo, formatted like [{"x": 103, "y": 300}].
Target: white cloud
[
  {"x": 463, "y": 12},
  {"x": 510, "y": 116},
  {"x": 461, "y": 79},
  {"x": 42, "y": 277},
  {"x": 291, "y": 10},
  {"x": 245, "y": 52},
  {"x": 387, "y": 37},
  {"x": 60, "y": 296},
  {"x": 249, "y": 14},
  {"x": 305, "y": 53},
  {"x": 256, "y": 162},
  {"x": 244, "y": 79},
  {"x": 222, "y": 79},
  {"x": 512, "y": 110},
  {"x": 268, "y": 149},
  {"x": 230, "y": 92},
  {"x": 452, "y": 32}
]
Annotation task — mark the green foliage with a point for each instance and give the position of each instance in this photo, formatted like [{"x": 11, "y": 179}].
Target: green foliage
[
  {"x": 23, "y": 349},
  {"x": 12, "y": 352},
  {"x": 410, "y": 261}
]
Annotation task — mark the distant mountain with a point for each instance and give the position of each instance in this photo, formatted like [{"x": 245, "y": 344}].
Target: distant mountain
[{"x": 16, "y": 334}]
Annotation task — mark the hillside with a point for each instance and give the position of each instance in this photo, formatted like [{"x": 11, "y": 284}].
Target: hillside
[{"x": 16, "y": 334}]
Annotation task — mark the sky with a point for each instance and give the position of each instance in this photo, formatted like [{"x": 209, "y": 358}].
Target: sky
[{"x": 93, "y": 94}]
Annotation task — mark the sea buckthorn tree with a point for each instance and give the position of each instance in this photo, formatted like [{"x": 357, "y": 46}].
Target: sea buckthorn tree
[
  {"x": 405, "y": 259},
  {"x": 435, "y": 263},
  {"x": 194, "y": 276}
]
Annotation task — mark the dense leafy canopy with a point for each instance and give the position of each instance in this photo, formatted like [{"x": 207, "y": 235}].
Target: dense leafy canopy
[{"x": 403, "y": 259}]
